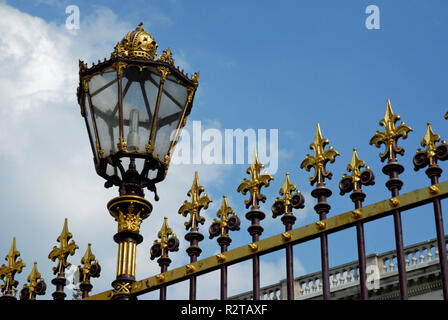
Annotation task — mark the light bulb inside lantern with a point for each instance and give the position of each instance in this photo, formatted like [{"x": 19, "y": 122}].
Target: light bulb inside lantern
[{"x": 133, "y": 139}]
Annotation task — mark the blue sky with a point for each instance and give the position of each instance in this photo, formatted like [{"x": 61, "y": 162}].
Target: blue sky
[{"x": 282, "y": 66}]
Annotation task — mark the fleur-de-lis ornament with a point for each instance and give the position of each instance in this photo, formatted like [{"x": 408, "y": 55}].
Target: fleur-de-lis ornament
[
  {"x": 289, "y": 201},
  {"x": 228, "y": 220},
  {"x": 358, "y": 178},
  {"x": 90, "y": 266},
  {"x": 35, "y": 287},
  {"x": 390, "y": 135},
  {"x": 433, "y": 152},
  {"x": 255, "y": 183},
  {"x": 194, "y": 207},
  {"x": 65, "y": 249},
  {"x": 320, "y": 158},
  {"x": 168, "y": 242},
  {"x": 7, "y": 272}
]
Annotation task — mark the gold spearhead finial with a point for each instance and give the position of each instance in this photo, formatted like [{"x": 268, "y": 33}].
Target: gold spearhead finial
[
  {"x": 287, "y": 188},
  {"x": 164, "y": 234},
  {"x": 7, "y": 272},
  {"x": 168, "y": 241},
  {"x": 34, "y": 275},
  {"x": 88, "y": 257},
  {"x": 284, "y": 205},
  {"x": 255, "y": 183},
  {"x": 286, "y": 191},
  {"x": 88, "y": 262},
  {"x": 358, "y": 178},
  {"x": 36, "y": 285},
  {"x": 165, "y": 231},
  {"x": 65, "y": 249},
  {"x": 195, "y": 205},
  {"x": 390, "y": 135},
  {"x": 354, "y": 167},
  {"x": 225, "y": 212},
  {"x": 429, "y": 141},
  {"x": 320, "y": 158}
]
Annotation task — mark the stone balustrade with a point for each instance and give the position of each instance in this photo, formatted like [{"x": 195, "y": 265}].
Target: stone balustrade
[{"x": 343, "y": 277}]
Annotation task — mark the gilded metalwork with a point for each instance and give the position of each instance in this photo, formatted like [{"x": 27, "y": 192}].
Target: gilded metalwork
[
  {"x": 221, "y": 258},
  {"x": 225, "y": 213},
  {"x": 35, "y": 285},
  {"x": 321, "y": 225},
  {"x": 168, "y": 241},
  {"x": 166, "y": 57},
  {"x": 390, "y": 135},
  {"x": 195, "y": 78},
  {"x": 194, "y": 207},
  {"x": 89, "y": 263},
  {"x": 357, "y": 214},
  {"x": 127, "y": 255},
  {"x": 290, "y": 199},
  {"x": 429, "y": 141},
  {"x": 253, "y": 247},
  {"x": 254, "y": 185},
  {"x": 122, "y": 287},
  {"x": 394, "y": 202},
  {"x": 137, "y": 44},
  {"x": 434, "y": 190},
  {"x": 129, "y": 221},
  {"x": 65, "y": 249},
  {"x": 320, "y": 158},
  {"x": 189, "y": 268},
  {"x": 129, "y": 212},
  {"x": 160, "y": 278},
  {"x": 354, "y": 167},
  {"x": 7, "y": 272},
  {"x": 286, "y": 236}
]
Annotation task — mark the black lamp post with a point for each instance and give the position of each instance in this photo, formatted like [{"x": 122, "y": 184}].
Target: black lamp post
[{"x": 135, "y": 105}]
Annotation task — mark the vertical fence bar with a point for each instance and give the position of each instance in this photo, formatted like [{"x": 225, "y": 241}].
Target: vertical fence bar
[
  {"x": 429, "y": 158},
  {"x": 228, "y": 220},
  {"x": 389, "y": 138},
  {"x": 255, "y": 230},
  {"x": 163, "y": 263},
  {"x": 321, "y": 193},
  {"x": 223, "y": 243},
  {"x": 193, "y": 208},
  {"x": 354, "y": 183},
  {"x": 284, "y": 207},
  {"x": 255, "y": 215},
  {"x": 168, "y": 242}
]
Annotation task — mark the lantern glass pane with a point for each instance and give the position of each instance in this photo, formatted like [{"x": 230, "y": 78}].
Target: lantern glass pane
[
  {"x": 171, "y": 108},
  {"x": 103, "y": 90},
  {"x": 90, "y": 128},
  {"x": 140, "y": 89}
]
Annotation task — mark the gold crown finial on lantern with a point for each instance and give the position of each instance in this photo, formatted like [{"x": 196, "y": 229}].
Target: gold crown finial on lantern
[{"x": 137, "y": 44}]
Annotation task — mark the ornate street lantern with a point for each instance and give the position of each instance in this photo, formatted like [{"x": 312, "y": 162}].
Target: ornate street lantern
[{"x": 135, "y": 105}]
